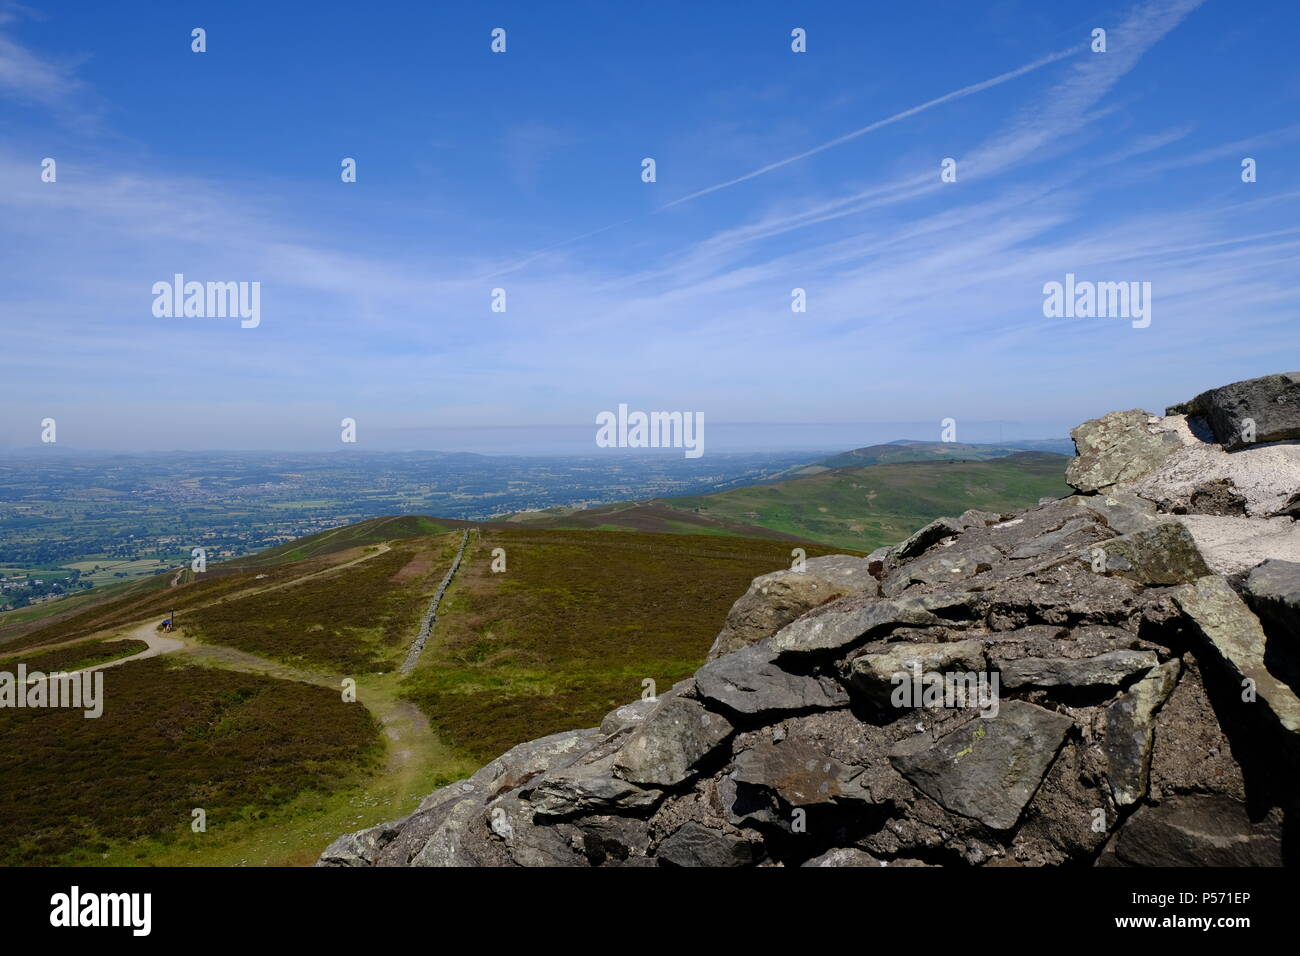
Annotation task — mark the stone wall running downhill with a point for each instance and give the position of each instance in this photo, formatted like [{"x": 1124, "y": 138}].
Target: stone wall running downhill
[
  {"x": 1144, "y": 635},
  {"x": 431, "y": 615}
]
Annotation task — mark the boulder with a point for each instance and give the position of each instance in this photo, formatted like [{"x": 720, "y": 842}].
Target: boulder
[
  {"x": 670, "y": 743},
  {"x": 774, "y": 600},
  {"x": 1117, "y": 449},
  {"x": 799, "y": 774},
  {"x": 1163, "y": 554},
  {"x": 1105, "y": 670},
  {"x": 588, "y": 788},
  {"x": 845, "y": 856},
  {"x": 693, "y": 844},
  {"x": 877, "y": 673},
  {"x": 846, "y": 623},
  {"x": 1273, "y": 591},
  {"x": 627, "y": 715},
  {"x": 1270, "y": 403},
  {"x": 1198, "y": 830}
]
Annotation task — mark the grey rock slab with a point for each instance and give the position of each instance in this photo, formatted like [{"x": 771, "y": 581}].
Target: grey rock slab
[
  {"x": 1164, "y": 554},
  {"x": 361, "y": 848},
  {"x": 525, "y": 761},
  {"x": 1117, "y": 449},
  {"x": 750, "y": 682},
  {"x": 1273, "y": 591},
  {"x": 626, "y": 715},
  {"x": 838, "y": 628},
  {"x": 1198, "y": 830},
  {"x": 1237, "y": 640},
  {"x": 800, "y": 774},
  {"x": 1105, "y": 670},
  {"x": 693, "y": 844},
  {"x": 774, "y": 600},
  {"x": 1128, "y": 731},
  {"x": 877, "y": 674},
  {"x": 1271, "y": 403},
  {"x": 588, "y": 788},
  {"x": 931, "y": 534},
  {"x": 988, "y": 769}
]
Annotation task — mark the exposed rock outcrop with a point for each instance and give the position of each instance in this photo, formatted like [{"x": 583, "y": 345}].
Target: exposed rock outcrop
[{"x": 1110, "y": 678}]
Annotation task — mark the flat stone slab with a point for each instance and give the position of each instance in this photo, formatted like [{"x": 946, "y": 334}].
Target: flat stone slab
[
  {"x": 1233, "y": 545},
  {"x": 988, "y": 769},
  {"x": 1238, "y": 641},
  {"x": 749, "y": 682}
]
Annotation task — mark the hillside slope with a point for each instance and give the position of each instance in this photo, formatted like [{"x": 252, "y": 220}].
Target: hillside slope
[{"x": 860, "y": 508}]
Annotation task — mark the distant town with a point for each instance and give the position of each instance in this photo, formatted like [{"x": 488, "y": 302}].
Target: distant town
[{"x": 69, "y": 523}]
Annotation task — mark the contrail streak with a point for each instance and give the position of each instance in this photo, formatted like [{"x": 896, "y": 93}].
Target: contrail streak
[{"x": 897, "y": 117}]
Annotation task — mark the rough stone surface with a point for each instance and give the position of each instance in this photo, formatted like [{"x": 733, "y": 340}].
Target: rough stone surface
[
  {"x": 1117, "y": 449},
  {"x": 1273, "y": 591},
  {"x": 1129, "y": 731},
  {"x": 1233, "y": 545},
  {"x": 1198, "y": 830},
  {"x": 1165, "y": 553},
  {"x": 1271, "y": 403},
  {"x": 877, "y": 674},
  {"x": 1109, "y": 670},
  {"x": 987, "y": 769},
  {"x": 1237, "y": 642},
  {"x": 750, "y": 682},
  {"x": 774, "y": 600},
  {"x": 668, "y": 745}
]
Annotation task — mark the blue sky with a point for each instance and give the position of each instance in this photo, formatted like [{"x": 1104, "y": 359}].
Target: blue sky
[{"x": 521, "y": 170}]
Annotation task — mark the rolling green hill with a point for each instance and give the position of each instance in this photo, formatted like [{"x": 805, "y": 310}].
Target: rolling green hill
[{"x": 860, "y": 508}]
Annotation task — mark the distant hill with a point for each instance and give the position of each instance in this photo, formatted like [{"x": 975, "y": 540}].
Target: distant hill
[
  {"x": 857, "y": 507},
  {"x": 901, "y": 451}
]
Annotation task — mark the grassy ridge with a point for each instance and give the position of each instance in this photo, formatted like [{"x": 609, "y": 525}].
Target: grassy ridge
[{"x": 572, "y": 627}]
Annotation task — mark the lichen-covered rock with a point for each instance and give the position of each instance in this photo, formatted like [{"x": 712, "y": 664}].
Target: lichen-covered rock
[
  {"x": 877, "y": 674},
  {"x": 987, "y": 769},
  {"x": 774, "y": 600},
  {"x": 1237, "y": 643},
  {"x": 670, "y": 743},
  {"x": 1165, "y": 553},
  {"x": 1273, "y": 592},
  {"x": 1128, "y": 733},
  {"x": 1105, "y": 670},
  {"x": 1117, "y": 449}
]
